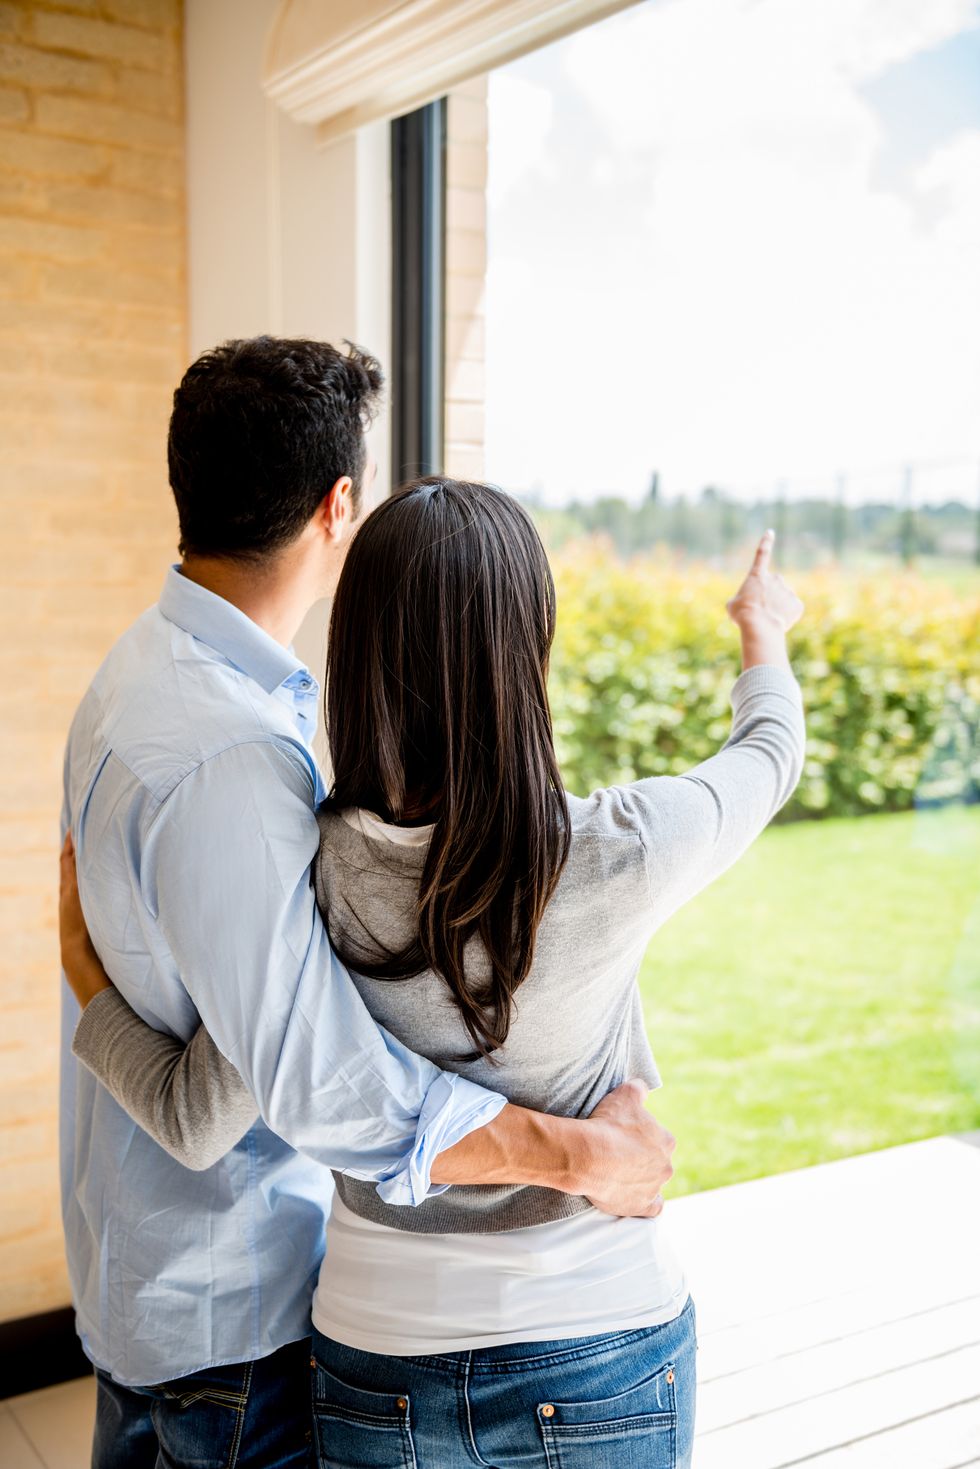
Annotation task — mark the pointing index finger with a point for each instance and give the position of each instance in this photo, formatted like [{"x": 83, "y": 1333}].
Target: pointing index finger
[{"x": 764, "y": 551}]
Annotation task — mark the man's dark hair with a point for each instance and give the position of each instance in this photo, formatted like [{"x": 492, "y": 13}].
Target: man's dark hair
[{"x": 260, "y": 431}]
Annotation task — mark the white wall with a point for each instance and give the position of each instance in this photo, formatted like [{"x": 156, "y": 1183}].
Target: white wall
[{"x": 283, "y": 236}]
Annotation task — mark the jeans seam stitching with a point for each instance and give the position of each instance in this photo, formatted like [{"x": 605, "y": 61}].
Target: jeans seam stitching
[
  {"x": 509, "y": 1365},
  {"x": 467, "y": 1378},
  {"x": 408, "y": 1439},
  {"x": 210, "y": 1395},
  {"x": 240, "y": 1417}
]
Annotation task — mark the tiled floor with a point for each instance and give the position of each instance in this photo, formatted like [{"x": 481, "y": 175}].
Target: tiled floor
[
  {"x": 838, "y": 1317},
  {"x": 50, "y": 1429}
]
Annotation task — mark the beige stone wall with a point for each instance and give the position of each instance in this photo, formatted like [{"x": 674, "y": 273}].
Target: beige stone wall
[
  {"x": 466, "y": 268},
  {"x": 92, "y": 340}
]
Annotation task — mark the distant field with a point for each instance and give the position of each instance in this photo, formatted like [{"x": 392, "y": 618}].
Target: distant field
[{"x": 822, "y": 998}]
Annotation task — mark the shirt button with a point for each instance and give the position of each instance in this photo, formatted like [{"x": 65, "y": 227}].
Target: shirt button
[{"x": 548, "y": 1411}]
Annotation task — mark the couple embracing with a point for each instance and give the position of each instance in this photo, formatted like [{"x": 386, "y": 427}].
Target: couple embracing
[{"x": 356, "y": 1166}]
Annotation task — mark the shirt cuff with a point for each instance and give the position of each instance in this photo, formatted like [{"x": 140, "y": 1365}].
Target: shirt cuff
[{"x": 453, "y": 1108}]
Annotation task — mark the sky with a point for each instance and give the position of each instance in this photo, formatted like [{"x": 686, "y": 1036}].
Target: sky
[{"x": 738, "y": 242}]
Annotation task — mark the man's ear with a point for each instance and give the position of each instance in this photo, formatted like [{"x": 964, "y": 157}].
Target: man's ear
[{"x": 337, "y": 508}]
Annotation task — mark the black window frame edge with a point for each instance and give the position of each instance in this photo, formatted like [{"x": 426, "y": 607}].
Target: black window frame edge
[{"x": 418, "y": 295}]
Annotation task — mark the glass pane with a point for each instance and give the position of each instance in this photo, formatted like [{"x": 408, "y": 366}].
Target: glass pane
[{"x": 723, "y": 275}]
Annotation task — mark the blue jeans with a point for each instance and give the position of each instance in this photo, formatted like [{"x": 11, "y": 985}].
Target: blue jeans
[
  {"x": 620, "y": 1401},
  {"x": 254, "y": 1415}
]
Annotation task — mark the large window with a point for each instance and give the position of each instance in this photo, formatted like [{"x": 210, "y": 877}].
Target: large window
[{"x": 712, "y": 265}]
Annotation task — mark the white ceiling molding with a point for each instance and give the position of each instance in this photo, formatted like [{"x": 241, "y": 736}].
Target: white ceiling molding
[{"x": 341, "y": 63}]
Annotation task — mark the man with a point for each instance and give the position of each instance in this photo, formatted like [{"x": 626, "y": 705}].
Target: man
[{"x": 190, "y": 788}]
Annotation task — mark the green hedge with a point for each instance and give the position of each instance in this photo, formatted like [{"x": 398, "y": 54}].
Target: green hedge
[{"x": 645, "y": 657}]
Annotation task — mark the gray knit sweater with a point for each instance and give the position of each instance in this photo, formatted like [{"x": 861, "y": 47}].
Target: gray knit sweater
[{"x": 637, "y": 853}]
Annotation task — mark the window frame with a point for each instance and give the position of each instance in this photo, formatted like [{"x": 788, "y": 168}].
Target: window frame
[{"x": 418, "y": 297}]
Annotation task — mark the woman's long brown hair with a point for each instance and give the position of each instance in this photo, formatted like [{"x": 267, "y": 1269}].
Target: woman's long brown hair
[{"x": 437, "y": 710}]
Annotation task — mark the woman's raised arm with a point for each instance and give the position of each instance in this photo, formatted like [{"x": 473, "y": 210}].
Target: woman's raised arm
[{"x": 695, "y": 825}]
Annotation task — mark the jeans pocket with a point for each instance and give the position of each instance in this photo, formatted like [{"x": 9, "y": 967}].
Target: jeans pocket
[
  {"x": 636, "y": 1429},
  {"x": 356, "y": 1429},
  {"x": 199, "y": 1419},
  {"x": 220, "y": 1388}
]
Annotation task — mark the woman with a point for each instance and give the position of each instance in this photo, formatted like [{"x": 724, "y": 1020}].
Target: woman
[{"x": 496, "y": 924}]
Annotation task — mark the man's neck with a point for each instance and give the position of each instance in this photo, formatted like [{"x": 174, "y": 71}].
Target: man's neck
[{"x": 275, "y": 595}]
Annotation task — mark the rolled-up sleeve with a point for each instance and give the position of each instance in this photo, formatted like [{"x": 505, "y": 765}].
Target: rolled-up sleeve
[{"x": 226, "y": 869}]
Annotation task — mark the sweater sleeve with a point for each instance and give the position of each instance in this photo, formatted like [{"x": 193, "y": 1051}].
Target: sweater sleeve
[
  {"x": 189, "y": 1098},
  {"x": 694, "y": 826}
]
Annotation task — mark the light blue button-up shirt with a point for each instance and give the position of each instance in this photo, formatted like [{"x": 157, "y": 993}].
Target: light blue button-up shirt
[{"x": 190, "y": 788}]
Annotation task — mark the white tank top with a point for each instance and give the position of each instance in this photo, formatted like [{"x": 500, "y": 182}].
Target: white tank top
[{"x": 404, "y": 1294}]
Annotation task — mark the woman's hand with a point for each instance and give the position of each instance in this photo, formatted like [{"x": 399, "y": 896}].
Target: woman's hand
[
  {"x": 763, "y": 596},
  {"x": 82, "y": 965},
  {"x": 764, "y": 609}
]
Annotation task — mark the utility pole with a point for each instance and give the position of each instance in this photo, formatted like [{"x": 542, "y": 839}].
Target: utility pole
[
  {"x": 907, "y": 535},
  {"x": 838, "y": 527},
  {"x": 780, "y": 520},
  {"x": 729, "y": 524},
  {"x": 681, "y": 527}
]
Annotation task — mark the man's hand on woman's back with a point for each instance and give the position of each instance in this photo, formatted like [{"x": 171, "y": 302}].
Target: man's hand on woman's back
[
  {"x": 619, "y": 1158},
  {"x": 632, "y": 1154}
]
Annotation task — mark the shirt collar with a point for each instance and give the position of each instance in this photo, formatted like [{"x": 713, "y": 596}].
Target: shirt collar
[{"x": 229, "y": 632}]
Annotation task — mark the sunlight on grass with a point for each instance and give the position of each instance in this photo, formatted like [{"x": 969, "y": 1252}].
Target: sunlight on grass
[{"x": 822, "y": 998}]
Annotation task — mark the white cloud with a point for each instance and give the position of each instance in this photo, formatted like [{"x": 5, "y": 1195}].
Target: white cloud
[
  {"x": 748, "y": 304},
  {"x": 867, "y": 36},
  {"x": 953, "y": 172},
  {"x": 522, "y": 118}
]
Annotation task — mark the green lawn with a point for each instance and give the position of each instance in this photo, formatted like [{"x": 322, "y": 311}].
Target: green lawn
[{"x": 822, "y": 998}]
